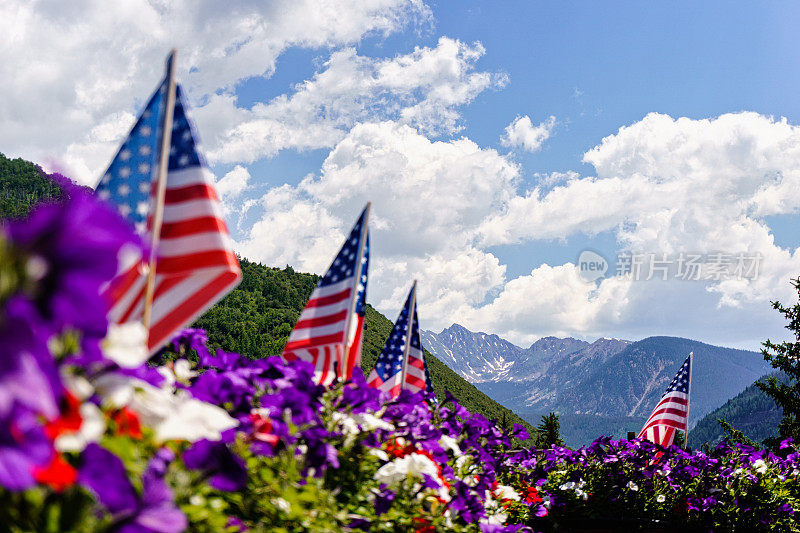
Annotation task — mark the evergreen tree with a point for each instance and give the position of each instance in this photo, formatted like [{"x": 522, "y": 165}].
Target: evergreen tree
[
  {"x": 786, "y": 358},
  {"x": 680, "y": 439},
  {"x": 549, "y": 432}
]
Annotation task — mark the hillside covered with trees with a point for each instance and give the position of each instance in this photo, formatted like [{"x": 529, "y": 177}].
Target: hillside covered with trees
[
  {"x": 22, "y": 184},
  {"x": 752, "y": 412}
]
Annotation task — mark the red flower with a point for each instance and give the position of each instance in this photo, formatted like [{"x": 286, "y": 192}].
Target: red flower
[
  {"x": 262, "y": 429},
  {"x": 423, "y": 525},
  {"x": 127, "y": 422},
  {"x": 395, "y": 450},
  {"x": 531, "y": 494},
  {"x": 57, "y": 474},
  {"x": 70, "y": 419}
]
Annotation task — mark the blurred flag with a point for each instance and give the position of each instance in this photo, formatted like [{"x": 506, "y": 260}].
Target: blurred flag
[
  {"x": 195, "y": 263},
  {"x": 401, "y": 364},
  {"x": 330, "y": 329},
  {"x": 672, "y": 412},
  {"x": 418, "y": 378}
]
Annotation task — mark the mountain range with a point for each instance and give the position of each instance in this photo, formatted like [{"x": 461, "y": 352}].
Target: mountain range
[{"x": 609, "y": 385}]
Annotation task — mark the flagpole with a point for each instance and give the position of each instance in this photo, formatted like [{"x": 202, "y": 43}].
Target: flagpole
[
  {"x": 688, "y": 399},
  {"x": 354, "y": 301},
  {"x": 411, "y": 310},
  {"x": 161, "y": 188}
]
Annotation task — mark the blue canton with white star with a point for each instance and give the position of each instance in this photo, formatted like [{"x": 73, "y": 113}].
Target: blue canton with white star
[
  {"x": 681, "y": 381},
  {"x": 361, "y": 295},
  {"x": 416, "y": 342},
  {"x": 127, "y": 181},
  {"x": 390, "y": 361},
  {"x": 183, "y": 151},
  {"x": 344, "y": 265}
]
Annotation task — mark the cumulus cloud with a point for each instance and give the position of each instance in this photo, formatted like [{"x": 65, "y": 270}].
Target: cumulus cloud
[
  {"x": 428, "y": 197},
  {"x": 665, "y": 185},
  {"x": 522, "y": 133},
  {"x": 68, "y": 66},
  {"x": 423, "y": 88},
  {"x": 233, "y": 183}
]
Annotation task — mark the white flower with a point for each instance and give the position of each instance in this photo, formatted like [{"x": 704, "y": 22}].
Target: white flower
[
  {"x": 173, "y": 415},
  {"x": 183, "y": 370},
  {"x": 115, "y": 389},
  {"x": 179, "y": 416},
  {"x": 412, "y": 464},
  {"x": 760, "y": 466},
  {"x": 380, "y": 454},
  {"x": 449, "y": 443},
  {"x": 661, "y": 498},
  {"x": 282, "y": 504},
  {"x": 633, "y": 486},
  {"x": 504, "y": 492},
  {"x": 92, "y": 428},
  {"x": 126, "y": 344},
  {"x": 567, "y": 486},
  {"x": 79, "y": 386},
  {"x": 462, "y": 461}
]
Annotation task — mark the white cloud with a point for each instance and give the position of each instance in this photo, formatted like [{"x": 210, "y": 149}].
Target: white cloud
[
  {"x": 521, "y": 132},
  {"x": 68, "y": 66},
  {"x": 428, "y": 198},
  {"x": 422, "y": 88},
  {"x": 233, "y": 183},
  {"x": 663, "y": 185}
]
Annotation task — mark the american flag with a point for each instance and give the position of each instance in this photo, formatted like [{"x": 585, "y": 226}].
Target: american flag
[
  {"x": 195, "y": 264},
  {"x": 418, "y": 377},
  {"x": 403, "y": 355},
  {"x": 330, "y": 329},
  {"x": 388, "y": 372},
  {"x": 672, "y": 412}
]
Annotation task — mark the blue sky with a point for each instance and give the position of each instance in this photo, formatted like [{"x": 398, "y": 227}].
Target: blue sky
[{"x": 673, "y": 130}]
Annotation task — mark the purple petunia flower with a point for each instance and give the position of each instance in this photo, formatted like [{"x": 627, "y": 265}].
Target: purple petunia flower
[
  {"x": 151, "y": 512},
  {"x": 226, "y": 470},
  {"x": 28, "y": 374},
  {"x": 23, "y": 447}
]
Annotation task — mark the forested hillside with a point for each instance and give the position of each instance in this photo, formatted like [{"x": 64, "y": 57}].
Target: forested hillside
[
  {"x": 256, "y": 318},
  {"x": 22, "y": 184},
  {"x": 752, "y": 412}
]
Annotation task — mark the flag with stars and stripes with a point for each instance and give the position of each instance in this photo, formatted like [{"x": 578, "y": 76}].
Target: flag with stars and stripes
[
  {"x": 418, "y": 378},
  {"x": 401, "y": 364},
  {"x": 672, "y": 412},
  {"x": 388, "y": 372},
  {"x": 330, "y": 329},
  {"x": 195, "y": 263}
]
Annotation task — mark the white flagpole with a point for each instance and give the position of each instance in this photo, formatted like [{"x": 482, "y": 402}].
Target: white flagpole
[
  {"x": 411, "y": 309},
  {"x": 342, "y": 372},
  {"x": 161, "y": 188},
  {"x": 688, "y": 399}
]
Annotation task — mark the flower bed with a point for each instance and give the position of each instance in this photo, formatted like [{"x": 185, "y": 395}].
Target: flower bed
[{"x": 93, "y": 438}]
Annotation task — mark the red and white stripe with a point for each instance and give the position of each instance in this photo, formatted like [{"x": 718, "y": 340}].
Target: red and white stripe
[
  {"x": 415, "y": 370},
  {"x": 670, "y": 415},
  {"x": 393, "y": 385},
  {"x": 319, "y": 335},
  {"x": 195, "y": 261}
]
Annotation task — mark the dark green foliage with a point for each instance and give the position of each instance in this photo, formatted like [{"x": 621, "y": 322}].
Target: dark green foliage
[
  {"x": 786, "y": 358},
  {"x": 22, "y": 184},
  {"x": 255, "y": 319},
  {"x": 734, "y": 435},
  {"x": 752, "y": 412},
  {"x": 679, "y": 439},
  {"x": 549, "y": 432}
]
